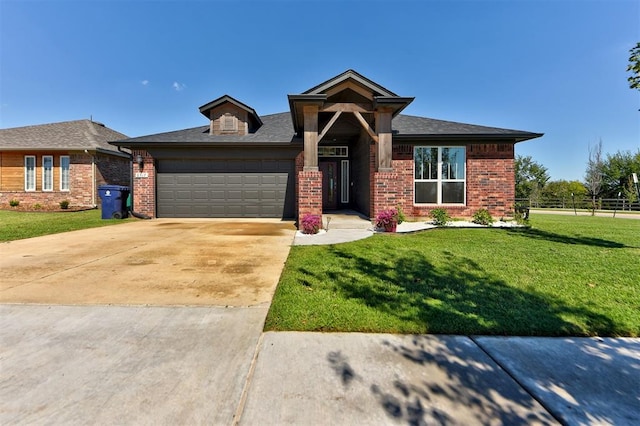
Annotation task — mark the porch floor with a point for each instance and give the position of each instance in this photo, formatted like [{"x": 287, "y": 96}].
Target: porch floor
[{"x": 345, "y": 219}]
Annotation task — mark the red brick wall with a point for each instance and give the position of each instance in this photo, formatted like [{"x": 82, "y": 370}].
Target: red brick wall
[
  {"x": 490, "y": 183},
  {"x": 144, "y": 188},
  {"x": 108, "y": 169},
  {"x": 309, "y": 193}
]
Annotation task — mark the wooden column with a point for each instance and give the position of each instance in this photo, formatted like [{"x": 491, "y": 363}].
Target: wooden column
[
  {"x": 385, "y": 150},
  {"x": 310, "y": 137}
]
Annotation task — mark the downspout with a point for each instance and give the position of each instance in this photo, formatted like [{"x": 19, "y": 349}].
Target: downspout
[{"x": 93, "y": 178}]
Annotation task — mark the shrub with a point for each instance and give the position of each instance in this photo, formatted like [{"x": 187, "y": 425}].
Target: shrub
[
  {"x": 310, "y": 224},
  {"x": 37, "y": 206},
  {"x": 64, "y": 204},
  {"x": 482, "y": 217},
  {"x": 401, "y": 216},
  {"x": 387, "y": 218},
  {"x": 440, "y": 217},
  {"x": 14, "y": 203}
]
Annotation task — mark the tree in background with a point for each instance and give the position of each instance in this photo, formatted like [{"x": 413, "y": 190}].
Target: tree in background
[
  {"x": 564, "y": 191},
  {"x": 531, "y": 177},
  {"x": 616, "y": 171},
  {"x": 593, "y": 177},
  {"x": 634, "y": 67}
]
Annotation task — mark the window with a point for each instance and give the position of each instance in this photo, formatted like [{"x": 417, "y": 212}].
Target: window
[
  {"x": 333, "y": 151},
  {"x": 47, "y": 173},
  {"x": 29, "y": 173},
  {"x": 439, "y": 175},
  {"x": 64, "y": 173}
]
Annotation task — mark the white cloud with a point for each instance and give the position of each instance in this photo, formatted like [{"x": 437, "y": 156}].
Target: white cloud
[
  {"x": 145, "y": 82},
  {"x": 178, "y": 86}
]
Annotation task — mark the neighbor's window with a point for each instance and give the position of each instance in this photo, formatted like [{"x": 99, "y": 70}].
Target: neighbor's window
[
  {"x": 64, "y": 173},
  {"x": 439, "y": 175},
  {"x": 47, "y": 173},
  {"x": 29, "y": 173}
]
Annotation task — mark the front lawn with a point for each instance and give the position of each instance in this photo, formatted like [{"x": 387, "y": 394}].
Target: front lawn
[
  {"x": 566, "y": 276},
  {"x": 16, "y": 225}
]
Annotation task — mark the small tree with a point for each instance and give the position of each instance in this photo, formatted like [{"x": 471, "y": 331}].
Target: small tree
[
  {"x": 531, "y": 177},
  {"x": 634, "y": 67},
  {"x": 593, "y": 176}
]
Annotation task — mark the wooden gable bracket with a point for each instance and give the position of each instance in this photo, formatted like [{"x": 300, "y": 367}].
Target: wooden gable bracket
[
  {"x": 366, "y": 126},
  {"x": 329, "y": 124}
]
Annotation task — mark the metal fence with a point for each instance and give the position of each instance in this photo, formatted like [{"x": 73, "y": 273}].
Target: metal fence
[{"x": 619, "y": 204}]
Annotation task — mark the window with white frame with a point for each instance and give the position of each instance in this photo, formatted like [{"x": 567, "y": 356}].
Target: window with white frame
[
  {"x": 29, "y": 173},
  {"x": 439, "y": 175},
  {"x": 47, "y": 173},
  {"x": 64, "y": 172}
]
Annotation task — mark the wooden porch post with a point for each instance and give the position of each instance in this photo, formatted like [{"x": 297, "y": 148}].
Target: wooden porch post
[
  {"x": 310, "y": 137},
  {"x": 385, "y": 149}
]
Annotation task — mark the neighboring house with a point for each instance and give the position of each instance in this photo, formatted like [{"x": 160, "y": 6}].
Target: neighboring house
[
  {"x": 48, "y": 163},
  {"x": 343, "y": 144}
]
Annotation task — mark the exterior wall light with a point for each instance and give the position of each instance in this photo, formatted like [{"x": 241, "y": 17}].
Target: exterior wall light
[{"x": 140, "y": 161}]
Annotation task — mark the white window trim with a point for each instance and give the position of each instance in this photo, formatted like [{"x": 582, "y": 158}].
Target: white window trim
[
  {"x": 44, "y": 186},
  {"x": 439, "y": 180},
  {"x": 26, "y": 173},
  {"x": 68, "y": 173}
]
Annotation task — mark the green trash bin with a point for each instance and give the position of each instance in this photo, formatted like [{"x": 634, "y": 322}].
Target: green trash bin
[{"x": 114, "y": 201}]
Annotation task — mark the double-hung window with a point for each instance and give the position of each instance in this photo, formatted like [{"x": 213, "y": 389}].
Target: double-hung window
[
  {"x": 439, "y": 175},
  {"x": 29, "y": 173},
  {"x": 47, "y": 173},
  {"x": 64, "y": 172}
]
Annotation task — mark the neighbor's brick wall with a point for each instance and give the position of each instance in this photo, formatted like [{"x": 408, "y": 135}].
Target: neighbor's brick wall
[
  {"x": 144, "y": 188},
  {"x": 490, "y": 183},
  {"x": 108, "y": 169}
]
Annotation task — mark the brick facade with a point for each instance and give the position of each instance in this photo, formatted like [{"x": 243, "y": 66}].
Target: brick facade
[
  {"x": 309, "y": 193},
  {"x": 490, "y": 183},
  {"x": 83, "y": 167},
  {"x": 144, "y": 185}
]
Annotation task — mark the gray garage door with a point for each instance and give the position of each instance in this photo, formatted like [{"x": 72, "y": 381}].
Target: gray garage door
[{"x": 225, "y": 188}]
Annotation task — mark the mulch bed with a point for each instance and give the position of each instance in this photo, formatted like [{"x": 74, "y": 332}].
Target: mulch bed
[{"x": 46, "y": 209}]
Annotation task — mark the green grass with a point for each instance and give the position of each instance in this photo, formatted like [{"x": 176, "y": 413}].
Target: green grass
[
  {"x": 15, "y": 225},
  {"x": 566, "y": 276}
]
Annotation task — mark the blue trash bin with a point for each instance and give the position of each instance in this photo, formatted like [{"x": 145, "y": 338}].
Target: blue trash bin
[{"x": 114, "y": 201}]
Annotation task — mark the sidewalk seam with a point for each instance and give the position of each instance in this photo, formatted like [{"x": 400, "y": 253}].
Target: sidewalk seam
[
  {"x": 523, "y": 386},
  {"x": 245, "y": 390}
]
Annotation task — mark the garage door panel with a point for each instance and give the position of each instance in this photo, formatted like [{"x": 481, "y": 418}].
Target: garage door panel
[{"x": 225, "y": 188}]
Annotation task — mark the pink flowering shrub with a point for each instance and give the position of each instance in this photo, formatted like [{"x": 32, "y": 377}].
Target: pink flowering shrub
[
  {"x": 387, "y": 219},
  {"x": 310, "y": 224}
]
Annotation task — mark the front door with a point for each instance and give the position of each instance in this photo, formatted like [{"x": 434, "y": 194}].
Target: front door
[{"x": 329, "y": 184}]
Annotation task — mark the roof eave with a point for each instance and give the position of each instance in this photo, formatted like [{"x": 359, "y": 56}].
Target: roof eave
[{"x": 514, "y": 137}]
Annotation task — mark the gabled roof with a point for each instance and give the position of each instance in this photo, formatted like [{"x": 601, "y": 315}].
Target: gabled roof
[
  {"x": 349, "y": 80},
  {"x": 253, "y": 115},
  {"x": 277, "y": 130},
  {"x": 412, "y": 127},
  {"x": 353, "y": 75},
  {"x": 64, "y": 136}
]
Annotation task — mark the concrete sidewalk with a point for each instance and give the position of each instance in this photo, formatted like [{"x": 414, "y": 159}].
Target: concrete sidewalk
[
  {"x": 204, "y": 365},
  {"x": 352, "y": 378}
]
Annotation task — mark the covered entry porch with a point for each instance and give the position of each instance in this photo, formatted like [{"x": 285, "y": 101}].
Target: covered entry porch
[{"x": 346, "y": 127}]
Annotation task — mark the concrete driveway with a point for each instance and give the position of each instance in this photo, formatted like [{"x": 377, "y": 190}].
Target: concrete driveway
[
  {"x": 157, "y": 262},
  {"x": 171, "y": 361}
]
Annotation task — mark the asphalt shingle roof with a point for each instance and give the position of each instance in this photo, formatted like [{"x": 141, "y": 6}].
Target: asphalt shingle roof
[
  {"x": 66, "y": 135},
  {"x": 278, "y": 128}
]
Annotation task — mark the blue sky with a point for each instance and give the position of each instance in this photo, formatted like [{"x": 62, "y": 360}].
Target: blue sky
[{"x": 143, "y": 67}]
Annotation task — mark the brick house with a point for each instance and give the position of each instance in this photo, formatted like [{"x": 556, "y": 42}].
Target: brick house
[
  {"x": 344, "y": 144},
  {"x": 48, "y": 163}
]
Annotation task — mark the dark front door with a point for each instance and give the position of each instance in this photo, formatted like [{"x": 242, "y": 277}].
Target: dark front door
[{"x": 329, "y": 184}]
